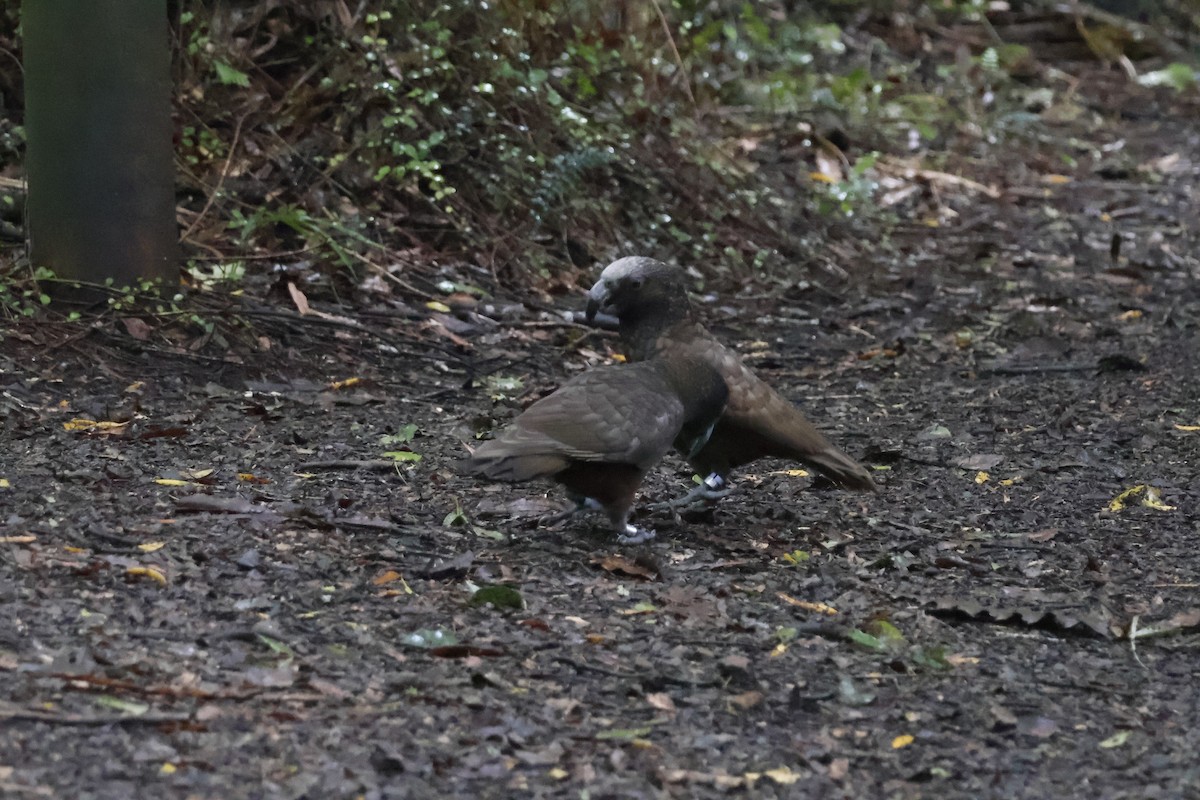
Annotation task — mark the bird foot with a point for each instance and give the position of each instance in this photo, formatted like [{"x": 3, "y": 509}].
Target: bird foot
[
  {"x": 634, "y": 535},
  {"x": 703, "y": 495},
  {"x": 582, "y": 506}
]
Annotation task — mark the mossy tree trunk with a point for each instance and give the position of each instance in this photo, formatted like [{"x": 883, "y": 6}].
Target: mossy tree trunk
[{"x": 100, "y": 159}]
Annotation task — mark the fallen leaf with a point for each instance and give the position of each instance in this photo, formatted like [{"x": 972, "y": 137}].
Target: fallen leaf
[
  {"x": 1044, "y": 535},
  {"x": 640, "y": 608},
  {"x": 1003, "y": 716},
  {"x": 498, "y": 596},
  {"x": 792, "y": 473},
  {"x": 783, "y": 776},
  {"x": 1041, "y": 727},
  {"x": 661, "y": 700},
  {"x": 1153, "y": 499},
  {"x": 172, "y": 482},
  {"x": 82, "y": 424},
  {"x": 904, "y": 740},
  {"x": 137, "y": 328},
  {"x": 747, "y": 700},
  {"x": 1119, "y": 502},
  {"x": 979, "y": 462},
  {"x": 1116, "y": 740},
  {"x": 625, "y": 733},
  {"x": 147, "y": 572},
  {"x": 818, "y": 608},
  {"x": 620, "y": 564},
  {"x": 386, "y": 577},
  {"x": 298, "y": 299},
  {"x": 129, "y": 707}
]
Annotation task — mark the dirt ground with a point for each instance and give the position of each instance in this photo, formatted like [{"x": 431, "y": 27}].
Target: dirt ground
[{"x": 231, "y": 591}]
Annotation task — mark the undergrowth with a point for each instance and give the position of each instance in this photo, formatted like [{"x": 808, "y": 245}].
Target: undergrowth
[{"x": 528, "y": 137}]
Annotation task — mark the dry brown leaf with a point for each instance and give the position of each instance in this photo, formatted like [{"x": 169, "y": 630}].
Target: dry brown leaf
[
  {"x": 620, "y": 564},
  {"x": 747, "y": 700},
  {"x": 662, "y": 701}
]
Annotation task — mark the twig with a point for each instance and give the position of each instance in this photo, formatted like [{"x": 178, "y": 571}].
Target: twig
[
  {"x": 934, "y": 177},
  {"x": 212, "y": 197},
  {"x": 687, "y": 85},
  {"x": 70, "y": 340},
  {"x": 382, "y": 465},
  {"x": 1133, "y": 634},
  {"x": 1027, "y": 369},
  {"x": 114, "y": 719}
]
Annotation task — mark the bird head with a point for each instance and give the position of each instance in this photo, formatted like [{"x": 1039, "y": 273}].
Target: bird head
[{"x": 639, "y": 288}]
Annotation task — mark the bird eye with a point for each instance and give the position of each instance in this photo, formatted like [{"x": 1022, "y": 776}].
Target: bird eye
[{"x": 636, "y": 283}]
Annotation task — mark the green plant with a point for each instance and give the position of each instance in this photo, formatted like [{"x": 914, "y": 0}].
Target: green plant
[{"x": 21, "y": 296}]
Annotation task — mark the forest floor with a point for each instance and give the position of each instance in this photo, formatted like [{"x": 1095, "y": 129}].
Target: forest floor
[{"x": 229, "y": 590}]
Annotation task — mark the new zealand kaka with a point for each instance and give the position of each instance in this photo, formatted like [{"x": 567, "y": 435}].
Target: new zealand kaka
[
  {"x": 649, "y": 300},
  {"x": 601, "y": 432}
]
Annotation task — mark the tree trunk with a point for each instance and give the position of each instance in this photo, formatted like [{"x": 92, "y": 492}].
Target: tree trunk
[{"x": 100, "y": 158}]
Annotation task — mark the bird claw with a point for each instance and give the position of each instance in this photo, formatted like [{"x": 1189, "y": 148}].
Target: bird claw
[
  {"x": 633, "y": 535},
  {"x": 703, "y": 495},
  {"x": 582, "y": 506}
]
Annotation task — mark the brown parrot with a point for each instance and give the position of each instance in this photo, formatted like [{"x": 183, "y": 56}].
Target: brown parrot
[
  {"x": 601, "y": 432},
  {"x": 649, "y": 301}
]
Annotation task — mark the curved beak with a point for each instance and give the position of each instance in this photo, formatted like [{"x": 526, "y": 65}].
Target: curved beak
[{"x": 597, "y": 299}]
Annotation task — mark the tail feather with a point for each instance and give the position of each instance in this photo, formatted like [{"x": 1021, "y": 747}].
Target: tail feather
[
  {"x": 841, "y": 469},
  {"x": 514, "y": 468}
]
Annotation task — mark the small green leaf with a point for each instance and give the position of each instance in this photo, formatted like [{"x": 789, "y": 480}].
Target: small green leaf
[
  {"x": 625, "y": 733},
  {"x": 1116, "y": 740},
  {"x": 402, "y": 455},
  {"x": 931, "y": 657},
  {"x": 455, "y": 518},
  {"x": 886, "y": 632},
  {"x": 127, "y": 706},
  {"x": 230, "y": 76},
  {"x": 498, "y": 596},
  {"x": 276, "y": 646},
  {"x": 488, "y": 533},
  {"x": 867, "y": 641},
  {"x": 403, "y": 436},
  {"x": 1177, "y": 76},
  {"x": 796, "y": 557}
]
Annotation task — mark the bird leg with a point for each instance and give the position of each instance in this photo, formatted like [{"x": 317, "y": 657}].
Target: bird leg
[
  {"x": 631, "y": 534},
  {"x": 626, "y": 533},
  {"x": 703, "y": 494}
]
